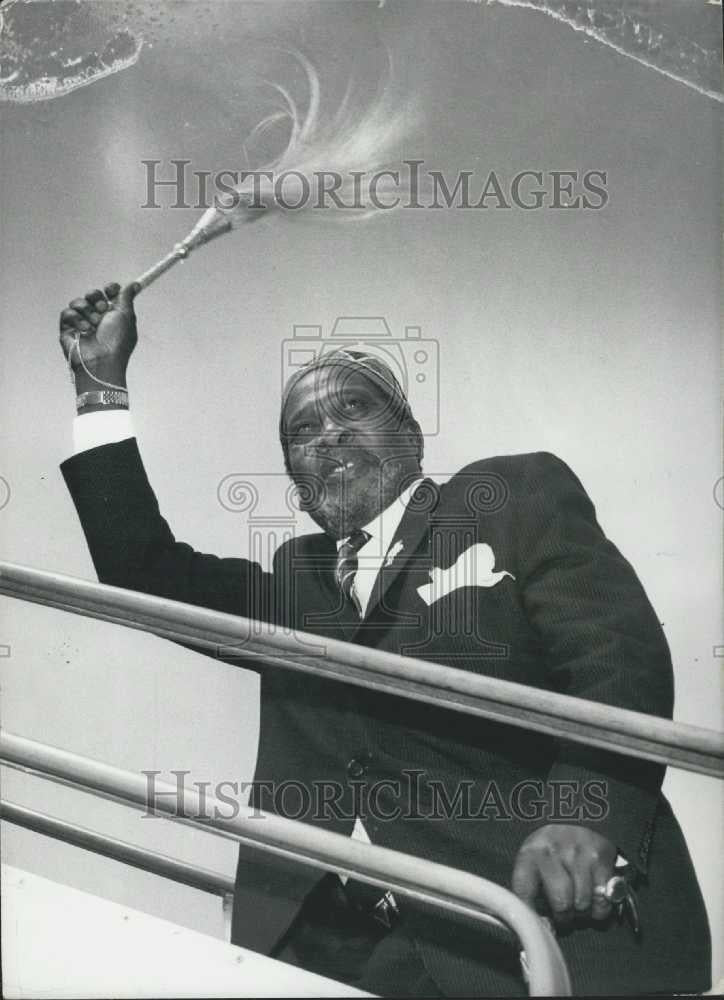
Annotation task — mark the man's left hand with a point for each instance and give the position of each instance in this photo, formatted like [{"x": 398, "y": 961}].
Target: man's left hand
[{"x": 564, "y": 863}]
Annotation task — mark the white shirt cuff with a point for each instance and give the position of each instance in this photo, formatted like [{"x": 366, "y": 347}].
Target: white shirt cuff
[{"x": 91, "y": 430}]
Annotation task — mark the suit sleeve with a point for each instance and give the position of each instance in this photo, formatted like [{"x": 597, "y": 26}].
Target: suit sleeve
[
  {"x": 602, "y": 641},
  {"x": 132, "y": 545}
]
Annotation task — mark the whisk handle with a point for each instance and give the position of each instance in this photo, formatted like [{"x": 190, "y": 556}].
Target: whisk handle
[
  {"x": 179, "y": 252},
  {"x": 197, "y": 237}
]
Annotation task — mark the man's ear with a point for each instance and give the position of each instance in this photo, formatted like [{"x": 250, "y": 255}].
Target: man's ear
[{"x": 414, "y": 435}]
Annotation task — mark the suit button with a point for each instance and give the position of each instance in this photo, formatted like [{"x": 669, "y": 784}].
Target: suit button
[{"x": 357, "y": 766}]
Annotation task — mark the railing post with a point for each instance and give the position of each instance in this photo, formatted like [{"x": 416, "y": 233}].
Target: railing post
[{"x": 227, "y": 908}]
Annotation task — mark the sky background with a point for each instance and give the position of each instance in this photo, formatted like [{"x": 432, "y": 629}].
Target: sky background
[{"x": 594, "y": 335}]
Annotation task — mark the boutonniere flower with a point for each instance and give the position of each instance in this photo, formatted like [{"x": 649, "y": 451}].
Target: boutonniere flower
[{"x": 394, "y": 552}]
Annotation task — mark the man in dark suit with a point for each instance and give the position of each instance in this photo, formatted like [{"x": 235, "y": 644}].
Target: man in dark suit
[{"x": 503, "y": 571}]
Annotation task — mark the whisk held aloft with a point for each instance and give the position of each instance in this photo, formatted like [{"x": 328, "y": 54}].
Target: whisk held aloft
[{"x": 346, "y": 146}]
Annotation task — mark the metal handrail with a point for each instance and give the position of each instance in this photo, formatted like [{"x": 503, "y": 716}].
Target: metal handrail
[
  {"x": 621, "y": 730},
  {"x": 424, "y": 881},
  {"x": 118, "y": 850}
]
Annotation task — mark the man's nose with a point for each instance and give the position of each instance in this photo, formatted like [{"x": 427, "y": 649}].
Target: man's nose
[{"x": 334, "y": 432}]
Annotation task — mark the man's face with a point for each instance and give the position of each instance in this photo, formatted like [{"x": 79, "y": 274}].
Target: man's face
[{"x": 348, "y": 451}]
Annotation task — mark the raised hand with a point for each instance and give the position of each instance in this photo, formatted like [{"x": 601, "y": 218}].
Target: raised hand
[{"x": 98, "y": 334}]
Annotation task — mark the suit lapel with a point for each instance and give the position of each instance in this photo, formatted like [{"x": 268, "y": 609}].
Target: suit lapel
[{"x": 411, "y": 531}]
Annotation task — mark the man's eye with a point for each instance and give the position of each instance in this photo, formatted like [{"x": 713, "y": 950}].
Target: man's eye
[
  {"x": 353, "y": 405},
  {"x": 303, "y": 430}
]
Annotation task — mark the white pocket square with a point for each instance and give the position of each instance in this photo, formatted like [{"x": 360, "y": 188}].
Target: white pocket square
[{"x": 474, "y": 568}]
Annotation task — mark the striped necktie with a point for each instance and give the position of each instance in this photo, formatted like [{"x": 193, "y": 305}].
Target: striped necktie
[{"x": 346, "y": 567}]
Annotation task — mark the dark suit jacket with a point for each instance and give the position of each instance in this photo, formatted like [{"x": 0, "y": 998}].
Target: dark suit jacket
[{"x": 571, "y": 617}]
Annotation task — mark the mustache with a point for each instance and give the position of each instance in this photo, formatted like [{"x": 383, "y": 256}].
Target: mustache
[{"x": 335, "y": 455}]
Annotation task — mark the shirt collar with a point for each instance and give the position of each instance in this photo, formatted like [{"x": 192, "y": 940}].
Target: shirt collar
[{"x": 384, "y": 527}]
